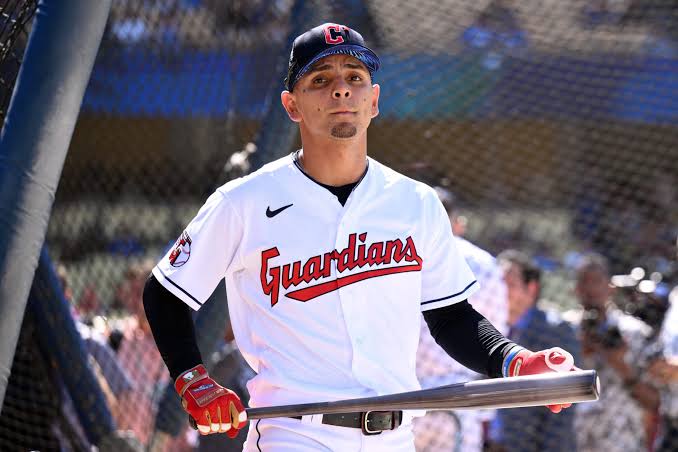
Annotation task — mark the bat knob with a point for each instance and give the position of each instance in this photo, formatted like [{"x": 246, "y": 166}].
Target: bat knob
[
  {"x": 597, "y": 388},
  {"x": 558, "y": 360}
]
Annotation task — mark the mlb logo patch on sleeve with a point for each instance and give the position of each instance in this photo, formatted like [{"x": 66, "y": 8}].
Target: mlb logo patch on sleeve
[{"x": 182, "y": 251}]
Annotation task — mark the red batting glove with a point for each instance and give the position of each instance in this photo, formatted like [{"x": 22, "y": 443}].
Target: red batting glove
[
  {"x": 521, "y": 361},
  {"x": 214, "y": 408}
]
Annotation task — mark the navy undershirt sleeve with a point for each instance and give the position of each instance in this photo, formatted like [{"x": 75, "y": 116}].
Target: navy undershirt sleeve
[
  {"x": 172, "y": 326},
  {"x": 468, "y": 337}
]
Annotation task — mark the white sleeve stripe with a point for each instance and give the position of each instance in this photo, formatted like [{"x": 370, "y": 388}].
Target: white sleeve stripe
[
  {"x": 178, "y": 287},
  {"x": 451, "y": 296}
]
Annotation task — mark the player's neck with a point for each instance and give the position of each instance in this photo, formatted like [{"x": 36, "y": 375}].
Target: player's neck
[{"x": 334, "y": 163}]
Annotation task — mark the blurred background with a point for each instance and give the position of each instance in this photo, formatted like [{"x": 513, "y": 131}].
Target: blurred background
[{"x": 554, "y": 125}]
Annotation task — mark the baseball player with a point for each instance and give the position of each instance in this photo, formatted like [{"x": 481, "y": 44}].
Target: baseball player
[{"x": 329, "y": 258}]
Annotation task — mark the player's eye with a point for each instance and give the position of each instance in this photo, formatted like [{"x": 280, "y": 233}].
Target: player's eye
[
  {"x": 319, "y": 80},
  {"x": 356, "y": 78}
]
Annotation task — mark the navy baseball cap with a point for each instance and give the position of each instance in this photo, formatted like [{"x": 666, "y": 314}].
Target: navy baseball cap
[{"x": 324, "y": 40}]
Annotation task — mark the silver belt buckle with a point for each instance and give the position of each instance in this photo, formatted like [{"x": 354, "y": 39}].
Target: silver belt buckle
[{"x": 365, "y": 428}]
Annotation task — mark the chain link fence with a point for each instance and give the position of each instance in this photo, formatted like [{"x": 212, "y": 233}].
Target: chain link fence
[
  {"x": 14, "y": 29},
  {"x": 552, "y": 125}
]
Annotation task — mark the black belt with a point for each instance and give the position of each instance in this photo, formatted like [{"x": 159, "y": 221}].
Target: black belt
[{"x": 370, "y": 422}]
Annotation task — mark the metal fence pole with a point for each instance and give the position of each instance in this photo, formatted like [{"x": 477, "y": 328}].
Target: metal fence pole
[{"x": 33, "y": 146}]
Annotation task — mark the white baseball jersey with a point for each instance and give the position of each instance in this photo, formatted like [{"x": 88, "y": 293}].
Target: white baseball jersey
[{"x": 324, "y": 299}]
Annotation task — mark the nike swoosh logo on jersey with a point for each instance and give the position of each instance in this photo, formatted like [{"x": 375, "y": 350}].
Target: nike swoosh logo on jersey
[{"x": 271, "y": 213}]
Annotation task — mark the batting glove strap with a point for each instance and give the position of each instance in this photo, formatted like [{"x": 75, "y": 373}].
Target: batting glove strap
[
  {"x": 189, "y": 377},
  {"x": 212, "y": 408}
]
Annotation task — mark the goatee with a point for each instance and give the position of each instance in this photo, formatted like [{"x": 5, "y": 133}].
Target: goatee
[{"x": 344, "y": 130}]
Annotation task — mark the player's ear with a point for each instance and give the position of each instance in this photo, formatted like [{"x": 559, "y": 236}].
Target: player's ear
[
  {"x": 290, "y": 105},
  {"x": 375, "y": 99}
]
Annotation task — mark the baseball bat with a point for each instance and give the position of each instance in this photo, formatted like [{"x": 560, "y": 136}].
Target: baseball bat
[{"x": 512, "y": 392}]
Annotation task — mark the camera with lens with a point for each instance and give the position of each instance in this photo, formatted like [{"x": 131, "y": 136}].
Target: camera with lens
[{"x": 644, "y": 298}]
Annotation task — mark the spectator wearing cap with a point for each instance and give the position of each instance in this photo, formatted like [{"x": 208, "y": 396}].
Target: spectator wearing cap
[{"x": 532, "y": 429}]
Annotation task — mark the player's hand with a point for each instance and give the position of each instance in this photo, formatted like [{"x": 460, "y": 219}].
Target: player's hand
[
  {"x": 214, "y": 408},
  {"x": 526, "y": 362}
]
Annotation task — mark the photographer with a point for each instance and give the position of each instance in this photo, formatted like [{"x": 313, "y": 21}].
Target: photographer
[{"x": 616, "y": 345}]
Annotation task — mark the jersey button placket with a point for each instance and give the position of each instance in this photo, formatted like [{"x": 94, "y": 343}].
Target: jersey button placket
[
  {"x": 348, "y": 295},
  {"x": 342, "y": 293}
]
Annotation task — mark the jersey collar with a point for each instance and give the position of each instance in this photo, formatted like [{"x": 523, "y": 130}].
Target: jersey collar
[{"x": 297, "y": 163}]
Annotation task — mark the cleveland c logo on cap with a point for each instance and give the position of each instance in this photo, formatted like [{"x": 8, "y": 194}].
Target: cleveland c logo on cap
[{"x": 333, "y": 33}]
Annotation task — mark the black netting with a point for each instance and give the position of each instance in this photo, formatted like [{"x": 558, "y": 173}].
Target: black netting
[
  {"x": 15, "y": 21},
  {"x": 552, "y": 124}
]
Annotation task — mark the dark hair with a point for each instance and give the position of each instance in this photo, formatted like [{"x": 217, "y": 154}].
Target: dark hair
[{"x": 528, "y": 269}]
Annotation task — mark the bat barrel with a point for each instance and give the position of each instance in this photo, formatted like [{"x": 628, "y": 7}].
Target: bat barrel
[{"x": 529, "y": 390}]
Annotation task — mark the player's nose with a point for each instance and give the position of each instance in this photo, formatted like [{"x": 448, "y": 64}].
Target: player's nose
[{"x": 341, "y": 90}]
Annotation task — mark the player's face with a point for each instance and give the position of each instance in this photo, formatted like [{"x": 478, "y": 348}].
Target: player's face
[{"x": 336, "y": 98}]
